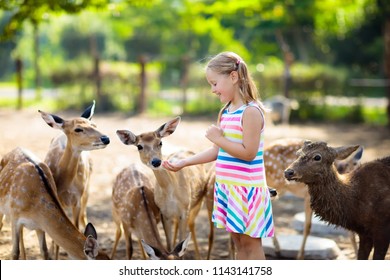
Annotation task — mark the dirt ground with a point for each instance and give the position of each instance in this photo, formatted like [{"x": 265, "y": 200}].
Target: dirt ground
[{"x": 27, "y": 129}]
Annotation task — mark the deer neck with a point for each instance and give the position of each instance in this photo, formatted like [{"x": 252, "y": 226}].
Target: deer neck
[
  {"x": 331, "y": 199},
  {"x": 68, "y": 165},
  {"x": 165, "y": 178},
  {"x": 68, "y": 237},
  {"x": 59, "y": 227}
]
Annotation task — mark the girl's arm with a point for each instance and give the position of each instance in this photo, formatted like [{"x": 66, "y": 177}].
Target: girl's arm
[
  {"x": 205, "y": 156},
  {"x": 252, "y": 123}
]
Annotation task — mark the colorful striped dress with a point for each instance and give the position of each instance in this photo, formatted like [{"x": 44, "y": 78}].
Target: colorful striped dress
[{"x": 241, "y": 198}]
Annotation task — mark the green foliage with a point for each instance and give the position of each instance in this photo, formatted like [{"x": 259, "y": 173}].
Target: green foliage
[{"x": 309, "y": 112}]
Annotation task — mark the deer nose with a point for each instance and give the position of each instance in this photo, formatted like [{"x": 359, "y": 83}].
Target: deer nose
[
  {"x": 273, "y": 192},
  {"x": 105, "y": 140},
  {"x": 288, "y": 173},
  {"x": 156, "y": 162}
]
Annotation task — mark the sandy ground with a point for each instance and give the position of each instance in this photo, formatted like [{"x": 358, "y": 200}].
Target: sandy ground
[{"x": 28, "y": 130}]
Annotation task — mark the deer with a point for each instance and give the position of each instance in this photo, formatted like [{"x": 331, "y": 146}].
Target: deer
[
  {"x": 28, "y": 197},
  {"x": 358, "y": 201},
  {"x": 160, "y": 253},
  {"x": 278, "y": 155},
  {"x": 69, "y": 161},
  {"x": 134, "y": 209},
  {"x": 178, "y": 195}
]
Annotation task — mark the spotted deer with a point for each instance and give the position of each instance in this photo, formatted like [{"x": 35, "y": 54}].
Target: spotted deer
[
  {"x": 160, "y": 253},
  {"x": 278, "y": 155},
  {"x": 358, "y": 201},
  {"x": 69, "y": 161},
  {"x": 28, "y": 197},
  {"x": 134, "y": 210},
  {"x": 178, "y": 195}
]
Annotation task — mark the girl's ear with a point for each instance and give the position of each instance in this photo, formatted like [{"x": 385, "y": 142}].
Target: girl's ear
[{"x": 234, "y": 76}]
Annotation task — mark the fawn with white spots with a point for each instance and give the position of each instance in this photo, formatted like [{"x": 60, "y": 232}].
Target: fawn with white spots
[
  {"x": 134, "y": 210},
  {"x": 278, "y": 155},
  {"x": 358, "y": 201},
  {"x": 178, "y": 195},
  {"x": 69, "y": 161},
  {"x": 28, "y": 197}
]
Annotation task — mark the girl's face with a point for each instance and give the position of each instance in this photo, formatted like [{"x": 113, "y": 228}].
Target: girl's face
[{"x": 222, "y": 85}]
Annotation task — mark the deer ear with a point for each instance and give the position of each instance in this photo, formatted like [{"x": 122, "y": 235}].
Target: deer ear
[
  {"x": 88, "y": 113},
  {"x": 168, "y": 128},
  {"x": 359, "y": 153},
  {"x": 52, "y": 120},
  {"x": 345, "y": 151},
  {"x": 181, "y": 248},
  {"x": 90, "y": 230},
  {"x": 91, "y": 247},
  {"x": 127, "y": 137},
  {"x": 153, "y": 253}
]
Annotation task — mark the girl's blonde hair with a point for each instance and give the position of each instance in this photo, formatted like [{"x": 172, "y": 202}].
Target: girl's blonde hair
[{"x": 226, "y": 62}]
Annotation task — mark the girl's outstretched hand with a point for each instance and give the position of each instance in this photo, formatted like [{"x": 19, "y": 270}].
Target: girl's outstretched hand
[{"x": 173, "y": 166}]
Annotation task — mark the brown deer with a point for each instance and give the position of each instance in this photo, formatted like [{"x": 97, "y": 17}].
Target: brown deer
[
  {"x": 161, "y": 253},
  {"x": 358, "y": 201},
  {"x": 278, "y": 155},
  {"x": 69, "y": 161},
  {"x": 28, "y": 197},
  {"x": 179, "y": 194},
  {"x": 134, "y": 209}
]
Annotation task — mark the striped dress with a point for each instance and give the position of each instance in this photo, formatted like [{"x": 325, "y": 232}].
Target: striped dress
[{"x": 241, "y": 198}]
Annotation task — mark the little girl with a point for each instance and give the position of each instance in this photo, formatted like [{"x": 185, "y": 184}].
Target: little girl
[{"x": 242, "y": 202}]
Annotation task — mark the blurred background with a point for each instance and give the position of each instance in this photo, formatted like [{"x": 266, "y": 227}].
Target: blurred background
[{"x": 313, "y": 60}]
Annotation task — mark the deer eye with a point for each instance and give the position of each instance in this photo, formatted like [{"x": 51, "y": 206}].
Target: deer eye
[
  {"x": 317, "y": 157},
  {"x": 160, "y": 144},
  {"x": 139, "y": 147},
  {"x": 78, "y": 130}
]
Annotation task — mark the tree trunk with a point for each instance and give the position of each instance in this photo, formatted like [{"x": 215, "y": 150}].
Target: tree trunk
[
  {"x": 387, "y": 65},
  {"x": 141, "y": 104},
  {"x": 19, "y": 82},
  {"x": 184, "y": 81},
  {"x": 38, "y": 86}
]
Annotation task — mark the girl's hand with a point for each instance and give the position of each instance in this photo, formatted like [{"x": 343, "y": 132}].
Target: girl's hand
[
  {"x": 213, "y": 133},
  {"x": 173, "y": 166}
]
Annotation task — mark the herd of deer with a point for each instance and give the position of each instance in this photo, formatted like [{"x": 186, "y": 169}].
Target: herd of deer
[{"x": 51, "y": 196}]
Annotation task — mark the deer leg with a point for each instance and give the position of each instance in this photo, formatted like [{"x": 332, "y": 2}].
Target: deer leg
[
  {"x": 118, "y": 234},
  {"x": 144, "y": 255},
  {"x": 381, "y": 243},
  {"x": 365, "y": 246},
  {"x": 42, "y": 244},
  {"x": 129, "y": 242},
  {"x": 21, "y": 242},
  {"x": 1, "y": 221},
  {"x": 307, "y": 227},
  {"x": 191, "y": 224},
  {"x": 276, "y": 245},
  {"x": 167, "y": 225},
  {"x": 54, "y": 250},
  {"x": 16, "y": 232},
  {"x": 211, "y": 233}
]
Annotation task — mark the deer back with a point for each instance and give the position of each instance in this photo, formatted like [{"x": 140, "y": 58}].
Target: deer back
[{"x": 133, "y": 204}]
